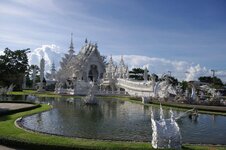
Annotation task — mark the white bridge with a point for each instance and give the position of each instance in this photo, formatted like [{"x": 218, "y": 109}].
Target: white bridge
[
  {"x": 136, "y": 88},
  {"x": 121, "y": 86}
]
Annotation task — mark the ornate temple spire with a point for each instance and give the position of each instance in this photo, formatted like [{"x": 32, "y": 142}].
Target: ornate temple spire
[
  {"x": 111, "y": 60},
  {"x": 53, "y": 68},
  {"x": 53, "y": 71},
  {"x": 122, "y": 61},
  {"x": 71, "y": 48}
]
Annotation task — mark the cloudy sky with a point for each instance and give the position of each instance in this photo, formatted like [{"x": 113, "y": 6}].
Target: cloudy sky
[{"x": 164, "y": 35}]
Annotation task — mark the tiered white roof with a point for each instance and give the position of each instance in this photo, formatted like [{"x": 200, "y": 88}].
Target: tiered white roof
[
  {"x": 78, "y": 66},
  {"x": 114, "y": 71}
]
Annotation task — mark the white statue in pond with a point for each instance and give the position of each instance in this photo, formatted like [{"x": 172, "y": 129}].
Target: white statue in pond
[
  {"x": 165, "y": 132},
  {"x": 90, "y": 98}
]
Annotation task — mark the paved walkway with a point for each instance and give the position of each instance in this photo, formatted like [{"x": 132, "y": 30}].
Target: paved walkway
[
  {"x": 4, "y": 107},
  {"x": 7, "y": 148}
]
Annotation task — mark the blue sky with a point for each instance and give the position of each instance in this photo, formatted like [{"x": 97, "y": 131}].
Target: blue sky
[{"x": 185, "y": 30}]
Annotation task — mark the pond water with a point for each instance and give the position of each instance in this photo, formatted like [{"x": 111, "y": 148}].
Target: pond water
[{"x": 115, "y": 119}]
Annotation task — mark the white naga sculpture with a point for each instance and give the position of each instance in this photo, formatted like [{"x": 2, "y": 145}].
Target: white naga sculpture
[
  {"x": 193, "y": 93},
  {"x": 163, "y": 88},
  {"x": 212, "y": 91},
  {"x": 165, "y": 132}
]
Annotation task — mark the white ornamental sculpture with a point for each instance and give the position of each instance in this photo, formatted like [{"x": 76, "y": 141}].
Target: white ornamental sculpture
[
  {"x": 34, "y": 76},
  {"x": 42, "y": 69},
  {"x": 145, "y": 74},
  {"x": 165, "y": 132}
]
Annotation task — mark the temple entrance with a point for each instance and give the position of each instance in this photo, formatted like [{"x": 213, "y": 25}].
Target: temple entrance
[{"x": 93, "y": 73}]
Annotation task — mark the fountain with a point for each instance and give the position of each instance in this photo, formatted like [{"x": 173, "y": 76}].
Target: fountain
[
  {"x": 90, "y": 98},
  {"x": 166, "y": 132}
]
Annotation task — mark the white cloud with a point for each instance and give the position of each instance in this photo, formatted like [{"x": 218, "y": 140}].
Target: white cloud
[
  {"x": 2, "y": 52},
  {"x": 180, "y": 69},
  {"x": 49, "y": 52},
  {"x": 196, "y": 71},
  {"x": 13, "y": 10}
]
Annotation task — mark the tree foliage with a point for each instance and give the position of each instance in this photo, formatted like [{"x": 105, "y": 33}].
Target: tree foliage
[
  {"x": 184, "y": 85},
  {"x": 29, "y": 75},
  {"x": 137, "y": 74},
  {"x": 213, "y": 81},
  {"x": 173, "y": 80},
  {"x": 13, "y": 66}
]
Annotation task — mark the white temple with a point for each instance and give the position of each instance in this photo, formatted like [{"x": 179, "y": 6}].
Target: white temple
[{"x": 78, "y": 70}]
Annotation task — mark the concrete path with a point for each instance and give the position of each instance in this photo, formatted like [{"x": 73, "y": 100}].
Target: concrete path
[
  {"x": 7, "y": 148},
  {"x": 4, "y": 107}
]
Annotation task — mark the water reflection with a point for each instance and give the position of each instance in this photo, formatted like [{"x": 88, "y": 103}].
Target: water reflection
[{"x": 120, "y": 120}]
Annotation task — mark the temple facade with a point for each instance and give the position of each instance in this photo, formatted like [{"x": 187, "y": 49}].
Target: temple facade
[
  {"x": 78, "y": 71},
  {"x": 87, "y": 65}
]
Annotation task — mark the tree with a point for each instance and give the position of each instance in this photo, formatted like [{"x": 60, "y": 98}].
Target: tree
[
  {"x": 206, "y": 79},
  {"x": 14, "y": 65},
  {"x": 213, "y": 81},
  {"x": 184, "y": 85},
  {"x": 29, "y": 73},
  {"x": 137, "y": 74}
]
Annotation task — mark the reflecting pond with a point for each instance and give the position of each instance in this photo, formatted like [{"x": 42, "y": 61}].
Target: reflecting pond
[{"x": 115, "y": 119}]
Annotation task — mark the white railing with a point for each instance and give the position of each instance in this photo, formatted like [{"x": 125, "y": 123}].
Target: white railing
[
  {"x": 135, "y": 85},
  {"x": 64, "y": 91},
  {"x": 111, "y": 93}
]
